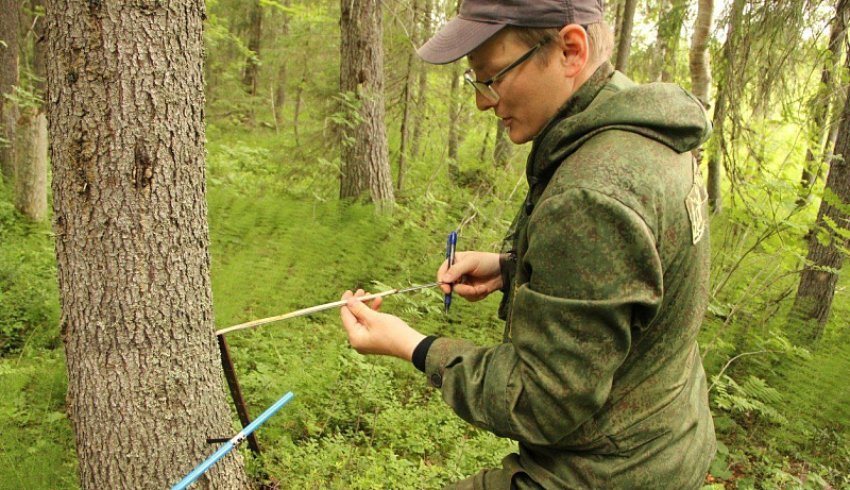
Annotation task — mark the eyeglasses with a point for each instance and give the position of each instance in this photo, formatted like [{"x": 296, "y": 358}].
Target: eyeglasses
[{"x": 485, "y": 88}]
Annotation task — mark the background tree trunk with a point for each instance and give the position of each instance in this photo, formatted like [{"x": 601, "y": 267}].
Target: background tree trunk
[
  {"x": 252, "y": 64},
  {"x": 365, "y": 163},
  {"x": 31, "y": 164},
  {"x": 407, "y": 97},
  {"x": 502, "y": 150},
  {"x": 715, "y": 160},
  {"x": 31, "y": 144},
  {"x": 280, "y": 86},
  {"x": 9, "y": 12},
  {"x": 698, "y": 58},
  {"x": 454, "y": 124},
  {"x": 823, "y": 100},
  {"x": 827, "y": 246},
  {"x": 624, "y": 36},
  {"x": 421, "y": 101},
  {"x": 126, "y": 114}
]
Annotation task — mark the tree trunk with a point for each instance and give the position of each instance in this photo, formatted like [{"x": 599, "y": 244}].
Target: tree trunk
[
  {"x": 126, "y": 116},
  {"x": 671, "y": 17},
  {"x": 827, "y": 246},
  {"x": 823, "y": 100},
  {"x": 624, "y": 37},
  {"x": 724, "y": 84},
  {"x": 421, "y": 92},
  {"x": 31, "y": 165},
  {"x": 365, "y": 162},
  {"x": 9, "y": 10},
  {"x": 407, "y": 99},
  {"x": 454, "y": 123},
  {"x": 280, "y": 87},
  {"x": 699, "y": 63},
  {"x": 31, "y": 144},
  {"x": 502, "y": 150},
  {"x": 252, "y": 64}
]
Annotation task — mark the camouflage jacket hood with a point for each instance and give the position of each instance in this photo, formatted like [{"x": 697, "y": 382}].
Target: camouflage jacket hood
[{"x": 660, "y": 111}]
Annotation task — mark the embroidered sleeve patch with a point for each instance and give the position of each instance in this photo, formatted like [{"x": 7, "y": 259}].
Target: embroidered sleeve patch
[{"x": 695, "y": 203}]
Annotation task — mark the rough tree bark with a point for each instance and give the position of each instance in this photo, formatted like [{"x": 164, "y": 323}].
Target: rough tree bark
[
  {"x": 252, "y": 64},
  {"x": 126, "y": 117},
  {"x": 698, "y": 59},
  {"x": 823, "y": 100},
  {"x": 624, "y": 36},
  {"x": 365, "y": 162},
  {"x": 829, "y": 243},
  {"x": 9, "y": 10}
]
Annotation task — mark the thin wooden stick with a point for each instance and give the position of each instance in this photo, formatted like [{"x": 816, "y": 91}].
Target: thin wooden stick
[{"x": 318, "y": 308}]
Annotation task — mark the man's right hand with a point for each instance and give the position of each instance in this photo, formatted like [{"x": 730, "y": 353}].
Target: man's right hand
[{"x": 474, "y": 274}]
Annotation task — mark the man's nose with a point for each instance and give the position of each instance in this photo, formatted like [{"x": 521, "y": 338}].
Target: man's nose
[{"x": 483, "y": 103}]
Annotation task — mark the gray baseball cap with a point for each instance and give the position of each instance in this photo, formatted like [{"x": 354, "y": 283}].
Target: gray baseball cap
[{"x": 478, "y": 20}]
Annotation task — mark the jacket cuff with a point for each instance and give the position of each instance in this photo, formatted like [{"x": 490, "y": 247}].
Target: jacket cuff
[
  {"x": 441, "y": 356},
  {"x": 421, "y": 352}
]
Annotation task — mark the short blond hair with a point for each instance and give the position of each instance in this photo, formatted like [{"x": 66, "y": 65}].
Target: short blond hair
[{"x": 599, "y": 38}]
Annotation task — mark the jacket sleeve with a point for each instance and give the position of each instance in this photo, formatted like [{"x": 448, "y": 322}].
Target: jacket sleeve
[{"x": 593, "y": 274}]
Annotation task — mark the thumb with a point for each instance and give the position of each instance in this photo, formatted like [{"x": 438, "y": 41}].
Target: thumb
[{"x": 359, "y": 309}]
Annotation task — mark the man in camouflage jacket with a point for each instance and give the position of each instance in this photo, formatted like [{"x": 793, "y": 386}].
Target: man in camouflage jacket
[{"x": 604, "y": 272}]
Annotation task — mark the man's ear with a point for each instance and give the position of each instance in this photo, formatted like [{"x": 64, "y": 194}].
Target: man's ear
[{"x": 575, "y": 49}]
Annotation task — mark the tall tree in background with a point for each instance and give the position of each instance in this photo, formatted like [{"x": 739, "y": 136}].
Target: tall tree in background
[
  {"x": 425, "y": 27},
  {"x": 724, "y": 86},
  {"x": 9, "y": 11},
  {"x": 31, "y": 133},
  {"x": 407, "y": 94},
  {"x": 823, "y": 99},
  {"x": 454, "y": 123},
  {"x": 671, "y": 18},
  {"x": 829, "y": 242},
  {"x": 365, "y": 162},
  {"x": 282, "y": 75},
  {"x": 255, "y": 34},
  {"x": 624, "y": 35},
  {"x": 126, "y": 116},
  {"x": 698, "y": 59},
  {"x": 502, "y": 150}
]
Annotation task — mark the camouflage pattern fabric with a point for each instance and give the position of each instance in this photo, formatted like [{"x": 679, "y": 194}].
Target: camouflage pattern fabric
[{"x": 599, "y": 377}]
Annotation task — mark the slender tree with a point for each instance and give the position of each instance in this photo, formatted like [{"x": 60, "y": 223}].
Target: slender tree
[
  {"x": 454, "y": 124},
  {"x": 255, "y": 34},
  {"x": 829, "y": 243},
  {"x": 624, "y": 36},
  {"x": 724, "y": 85},
  {"x": 9, "y": 12},
  {"x": 282, "y": 72},
  {"x": 365, "y": 162},
  {"x": 502, "y": 150},
  {"x": 671, "y": 18},
  {"x": 126, "y": 116},
  {"x": 407, "y": 96},
  {"x": 824, "y": 98},
  {"x": 31, "y": 132},
  {"x": 698, "y": 57},
  {"x": 425, "y": 28}
]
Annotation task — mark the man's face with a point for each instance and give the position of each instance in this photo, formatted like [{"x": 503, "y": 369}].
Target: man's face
[{"x": 531, "y": 93}]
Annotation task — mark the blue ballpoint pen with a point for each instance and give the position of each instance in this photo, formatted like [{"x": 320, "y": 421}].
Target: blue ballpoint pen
[{"x": 451, "y": 244}]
